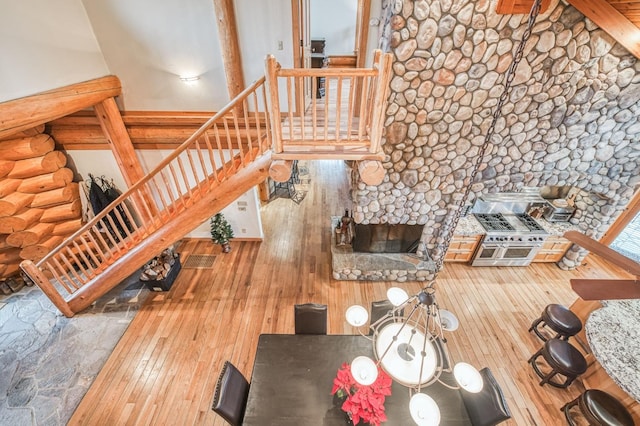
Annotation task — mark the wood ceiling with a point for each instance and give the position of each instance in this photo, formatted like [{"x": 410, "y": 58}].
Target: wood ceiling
[{"x": 619, "y": 18}]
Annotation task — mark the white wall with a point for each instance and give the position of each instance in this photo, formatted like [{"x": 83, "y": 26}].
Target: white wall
[
  {"x": 243, "y": 214},
  {"x": 335, "y": 21},
  {"x": 45, "y": 44},
  {"x": 261, "y": 26},
  {"x": 149, "y": 44}
]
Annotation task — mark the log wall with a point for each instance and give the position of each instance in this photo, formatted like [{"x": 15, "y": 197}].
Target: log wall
[{"x": 39, "y": 203}]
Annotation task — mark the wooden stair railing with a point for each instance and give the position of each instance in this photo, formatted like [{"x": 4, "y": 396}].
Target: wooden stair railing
[
  {"x": 227, "y": 156},
  {"x": 345, "y": 124},
  {"x": 207, "y": 172}
]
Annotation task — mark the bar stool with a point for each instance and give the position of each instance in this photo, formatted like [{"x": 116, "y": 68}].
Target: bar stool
[
  {"x": 563, "y": 358},
  {"x": 599, "y": 408},
  {"x": 559, "y": 319}
]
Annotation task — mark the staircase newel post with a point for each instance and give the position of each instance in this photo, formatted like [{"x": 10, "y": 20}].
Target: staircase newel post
[
  {"x": 271, "y": 73},
  {"x": 380, "y": 100},
  {"x": 36, "y": 275}
]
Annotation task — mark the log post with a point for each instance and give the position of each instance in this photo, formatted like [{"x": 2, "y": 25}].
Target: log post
[
  {"x": 114, "y": 129},
  {"x": 228, "y": 35},
  {"x": 371, "y": 172},
  {"x": 280, "y": 170},
  {"x": 22, "y": 114}
]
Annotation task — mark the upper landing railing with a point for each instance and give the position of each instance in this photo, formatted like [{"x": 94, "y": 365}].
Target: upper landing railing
[{"x": 344, "y": 117}]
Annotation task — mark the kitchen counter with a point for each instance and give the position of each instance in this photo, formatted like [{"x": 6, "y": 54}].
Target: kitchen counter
[
  {"x": 557, "y": 228},
  {"x": 613, "y": 333},
  {"x": 469, "y": 225}
]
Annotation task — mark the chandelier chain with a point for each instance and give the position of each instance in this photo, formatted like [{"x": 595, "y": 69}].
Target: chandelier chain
[{"x": 497, "y": 113}]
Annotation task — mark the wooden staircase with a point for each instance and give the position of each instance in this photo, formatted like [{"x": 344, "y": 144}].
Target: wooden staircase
[{"x": 211, "y": 169}]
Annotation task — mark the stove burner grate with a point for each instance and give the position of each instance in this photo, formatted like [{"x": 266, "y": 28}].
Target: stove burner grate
[
  {"x": 529, "y": 222},
  {"x": 494, "y": 222}
]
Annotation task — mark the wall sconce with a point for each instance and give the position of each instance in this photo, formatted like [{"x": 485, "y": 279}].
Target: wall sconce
[{"x": 190, "y": 80}]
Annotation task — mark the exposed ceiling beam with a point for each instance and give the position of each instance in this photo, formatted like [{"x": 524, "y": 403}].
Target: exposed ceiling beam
[
  {"x": 613, "y": 22},
  {"x": 31, "y": 111}
]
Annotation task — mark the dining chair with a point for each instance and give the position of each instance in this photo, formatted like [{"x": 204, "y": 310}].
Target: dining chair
[
  {"x": 487, "y": 407},
  {"x": 230, "y": 398},
  {"x": 310, "y": 318}
]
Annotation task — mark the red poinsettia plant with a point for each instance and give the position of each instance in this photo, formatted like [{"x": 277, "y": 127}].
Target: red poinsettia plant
[{"x": 363, "y": 402}]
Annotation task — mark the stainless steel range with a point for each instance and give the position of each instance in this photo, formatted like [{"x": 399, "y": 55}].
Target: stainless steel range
[{"x": 511, "y": 239}]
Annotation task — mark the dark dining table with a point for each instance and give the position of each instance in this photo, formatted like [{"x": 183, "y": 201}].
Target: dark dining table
[{"x": 293, "y": 375}]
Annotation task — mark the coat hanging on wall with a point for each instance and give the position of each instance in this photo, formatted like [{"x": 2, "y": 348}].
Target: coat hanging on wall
[{"x": 101, "y": 194}]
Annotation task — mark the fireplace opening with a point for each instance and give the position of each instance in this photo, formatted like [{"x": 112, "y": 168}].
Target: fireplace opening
[{"x": 385, "y": 238}]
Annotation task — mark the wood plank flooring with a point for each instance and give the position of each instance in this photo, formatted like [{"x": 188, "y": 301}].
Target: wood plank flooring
[{"x": 165, "y": 368}]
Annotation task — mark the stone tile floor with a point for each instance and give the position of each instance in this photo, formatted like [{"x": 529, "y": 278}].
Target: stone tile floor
[{"x": 48, "y": 361}]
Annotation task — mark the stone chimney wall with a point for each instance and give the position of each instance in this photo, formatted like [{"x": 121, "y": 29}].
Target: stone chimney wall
[{"x": 572, "y": 117}]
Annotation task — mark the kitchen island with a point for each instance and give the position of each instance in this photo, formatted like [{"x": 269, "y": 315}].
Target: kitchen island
[{"x": 612, "y": 330}]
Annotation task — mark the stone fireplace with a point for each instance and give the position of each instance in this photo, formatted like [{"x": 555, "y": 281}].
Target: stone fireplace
[{"x": 572, "y": 117}]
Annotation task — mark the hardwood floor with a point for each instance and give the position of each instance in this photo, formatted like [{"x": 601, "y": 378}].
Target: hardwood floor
[{"x": 165, "y": 368}]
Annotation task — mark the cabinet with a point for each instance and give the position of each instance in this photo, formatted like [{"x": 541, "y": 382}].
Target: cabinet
[
  {"x": 552, "y": 250},
  {"x": 462, "y": 248}
]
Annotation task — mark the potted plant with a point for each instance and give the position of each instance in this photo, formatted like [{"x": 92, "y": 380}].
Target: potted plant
[{"x": 221, "y": 232}]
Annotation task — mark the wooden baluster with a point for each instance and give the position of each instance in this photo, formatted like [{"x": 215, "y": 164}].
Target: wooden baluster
[
  {"x": 327, "y": 92},
  {"x": 203, "y": 165},
  {"x": 363, "y": 104},
  {"x": 74, "y": 261},
  {"x": 242, "y": 152},
  {"x": 292, "y": 136},
  {"x": 245, "y": 110},
  {"x": 314, "y": 113},
  {"x": 214, "y": 167},
  {"x": 267, "y": 123},
  {"x": 57, "y": 277},
  {"x": 183, "y": 173},
  {"x": 45, "y": 285},
  {"x": 351, "y": 112},
  {"x": 300, "y": 102},
  {"x": 338, "y": 107},
  {"x": 224, "y": 166}
]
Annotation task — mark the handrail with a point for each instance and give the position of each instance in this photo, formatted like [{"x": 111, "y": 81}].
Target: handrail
[{"x": 343, "y": 117}]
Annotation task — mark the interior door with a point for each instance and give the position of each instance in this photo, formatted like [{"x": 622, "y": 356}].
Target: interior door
[{"x": 301, "y": 11}]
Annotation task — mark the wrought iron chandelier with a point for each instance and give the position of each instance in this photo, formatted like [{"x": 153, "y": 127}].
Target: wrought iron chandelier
[{"x": 409, "y": 342}]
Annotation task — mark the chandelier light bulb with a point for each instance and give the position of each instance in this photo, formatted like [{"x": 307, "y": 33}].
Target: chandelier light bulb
[
  {"x": 449, "y": 320},
  {"x": 364, "y": 370},
  {"x": 357, "y": 315},
  {"x": 424, "y": 410},
  {"x": 468, "y": 377},
  {"x": 397, "y": 296}
]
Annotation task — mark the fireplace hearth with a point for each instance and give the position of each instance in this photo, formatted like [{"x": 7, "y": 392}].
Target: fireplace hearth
[{"x": 348, "y": 263}]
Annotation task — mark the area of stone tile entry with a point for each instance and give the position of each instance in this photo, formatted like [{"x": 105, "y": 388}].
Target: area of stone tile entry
[{"x": 48, "y": 361}]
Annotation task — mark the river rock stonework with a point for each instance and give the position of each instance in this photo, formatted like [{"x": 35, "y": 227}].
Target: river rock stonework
[{"x": 572, "y": 117}]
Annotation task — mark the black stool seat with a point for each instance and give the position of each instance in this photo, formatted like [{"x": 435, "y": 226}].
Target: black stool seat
[
  {"x": 599, "y": 408},
  {"x": 559, "y": 319},
  {"x": 563, "y": 358}
]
